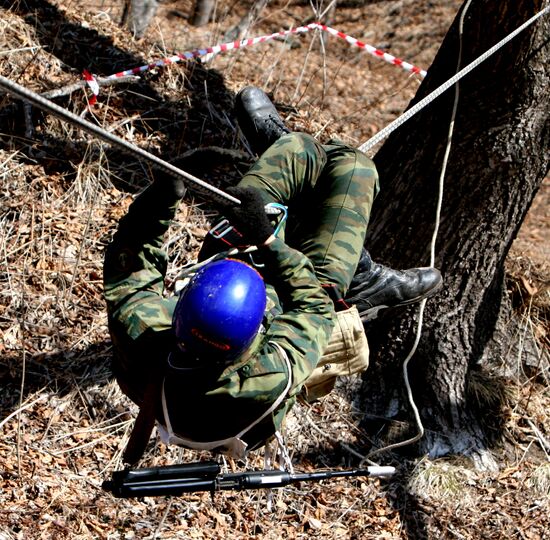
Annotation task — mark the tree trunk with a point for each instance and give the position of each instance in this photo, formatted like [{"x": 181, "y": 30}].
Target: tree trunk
[
  {"x": 244, "y": 25},
  {"x": 202, "y": 12},
  {"x": 499, "y": 157},
  {"x": 138, "y": 14}
]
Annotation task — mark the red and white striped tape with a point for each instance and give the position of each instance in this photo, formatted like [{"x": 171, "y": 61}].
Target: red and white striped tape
[
  {"x": 373, "y": 50},
  {"x": 239, "y": 44},
  {"x": 92, "y": 83}
]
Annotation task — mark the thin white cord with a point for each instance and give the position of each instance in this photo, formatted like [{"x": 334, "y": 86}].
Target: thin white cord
[
  {"x": 412, "y": 403},
  {"x": 383, "y": 133},
  {"x": 284, "y": 457}
]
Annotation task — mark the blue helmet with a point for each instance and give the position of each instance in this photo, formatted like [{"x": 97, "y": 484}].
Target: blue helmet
[{"x": 220, "y": 312}]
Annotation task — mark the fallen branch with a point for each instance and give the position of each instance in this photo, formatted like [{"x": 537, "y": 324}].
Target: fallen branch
[{"x": 69, "y": 89}]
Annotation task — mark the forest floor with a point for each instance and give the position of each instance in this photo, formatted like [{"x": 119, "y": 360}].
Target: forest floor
[{"x": 63, "y": 420}]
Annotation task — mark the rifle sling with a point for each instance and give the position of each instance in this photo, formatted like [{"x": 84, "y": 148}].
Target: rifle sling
[{"x": 144, "y": 423}]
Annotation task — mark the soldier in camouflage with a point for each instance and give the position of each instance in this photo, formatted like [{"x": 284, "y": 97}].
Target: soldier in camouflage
[{"x": 329, "y": 190}]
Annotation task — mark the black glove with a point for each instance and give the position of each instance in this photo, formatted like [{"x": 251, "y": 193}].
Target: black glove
[
  {"x": 249, "y": 217},
  {"x": 173, "y": 186}
]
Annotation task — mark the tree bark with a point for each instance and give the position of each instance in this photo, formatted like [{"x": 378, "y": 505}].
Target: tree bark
[{"x": 499, "y": 157}]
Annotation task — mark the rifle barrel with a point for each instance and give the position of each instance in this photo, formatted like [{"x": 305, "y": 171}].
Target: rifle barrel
[{"x": 170, "y": 480}]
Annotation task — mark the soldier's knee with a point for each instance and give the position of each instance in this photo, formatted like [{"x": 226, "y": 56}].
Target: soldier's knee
[
  {"x": 302, "y": 144},
  {"x": 297, "y": 139},
  {"x": 342, "y": 155},
  {"x": 340, "y": 149}
]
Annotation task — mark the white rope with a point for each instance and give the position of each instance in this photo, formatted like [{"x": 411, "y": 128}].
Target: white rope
[
  {"x": 382, "y": 134},
  {"x": 410, "y": 397},
  {"x": 456, "y": 78}
]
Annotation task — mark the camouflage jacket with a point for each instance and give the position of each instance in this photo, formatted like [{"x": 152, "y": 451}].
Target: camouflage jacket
[{"x": 206, "y": 404}]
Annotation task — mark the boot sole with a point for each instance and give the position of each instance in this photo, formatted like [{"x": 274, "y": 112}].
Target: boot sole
[{"x": 372, "y": 313}]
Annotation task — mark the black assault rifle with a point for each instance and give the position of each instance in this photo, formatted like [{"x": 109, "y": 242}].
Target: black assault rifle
[{"x": 206, "y": 476}]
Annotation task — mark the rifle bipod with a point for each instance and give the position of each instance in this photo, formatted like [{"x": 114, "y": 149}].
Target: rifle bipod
[{"x": 174, "y": 480}]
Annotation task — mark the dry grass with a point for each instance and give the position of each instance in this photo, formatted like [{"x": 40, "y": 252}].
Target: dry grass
[
  {"x": 64, "y": 421},
  {"x": 445, "y": 480}
]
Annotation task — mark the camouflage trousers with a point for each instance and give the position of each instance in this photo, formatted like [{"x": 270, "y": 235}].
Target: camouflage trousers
[{"x": 329, "y": 190}]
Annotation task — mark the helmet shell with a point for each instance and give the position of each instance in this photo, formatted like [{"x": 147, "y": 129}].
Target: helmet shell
[{"x": 220, "y": 312}]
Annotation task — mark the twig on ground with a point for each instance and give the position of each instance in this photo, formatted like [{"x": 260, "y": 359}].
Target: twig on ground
[
  {"x": 542, "y": 440},
  {"x": 229, "y": 152},
  {"x": 102, "y": 82},
  {"x": 20, "y": 409}
]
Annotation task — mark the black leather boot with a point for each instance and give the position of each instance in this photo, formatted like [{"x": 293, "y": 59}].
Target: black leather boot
[
  {"x": 375, "y": 287},
  {"x": 258, "y": 119}
]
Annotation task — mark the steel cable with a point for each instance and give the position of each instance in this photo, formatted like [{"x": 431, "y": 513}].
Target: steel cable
[{"x": 45, "y": 104}]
